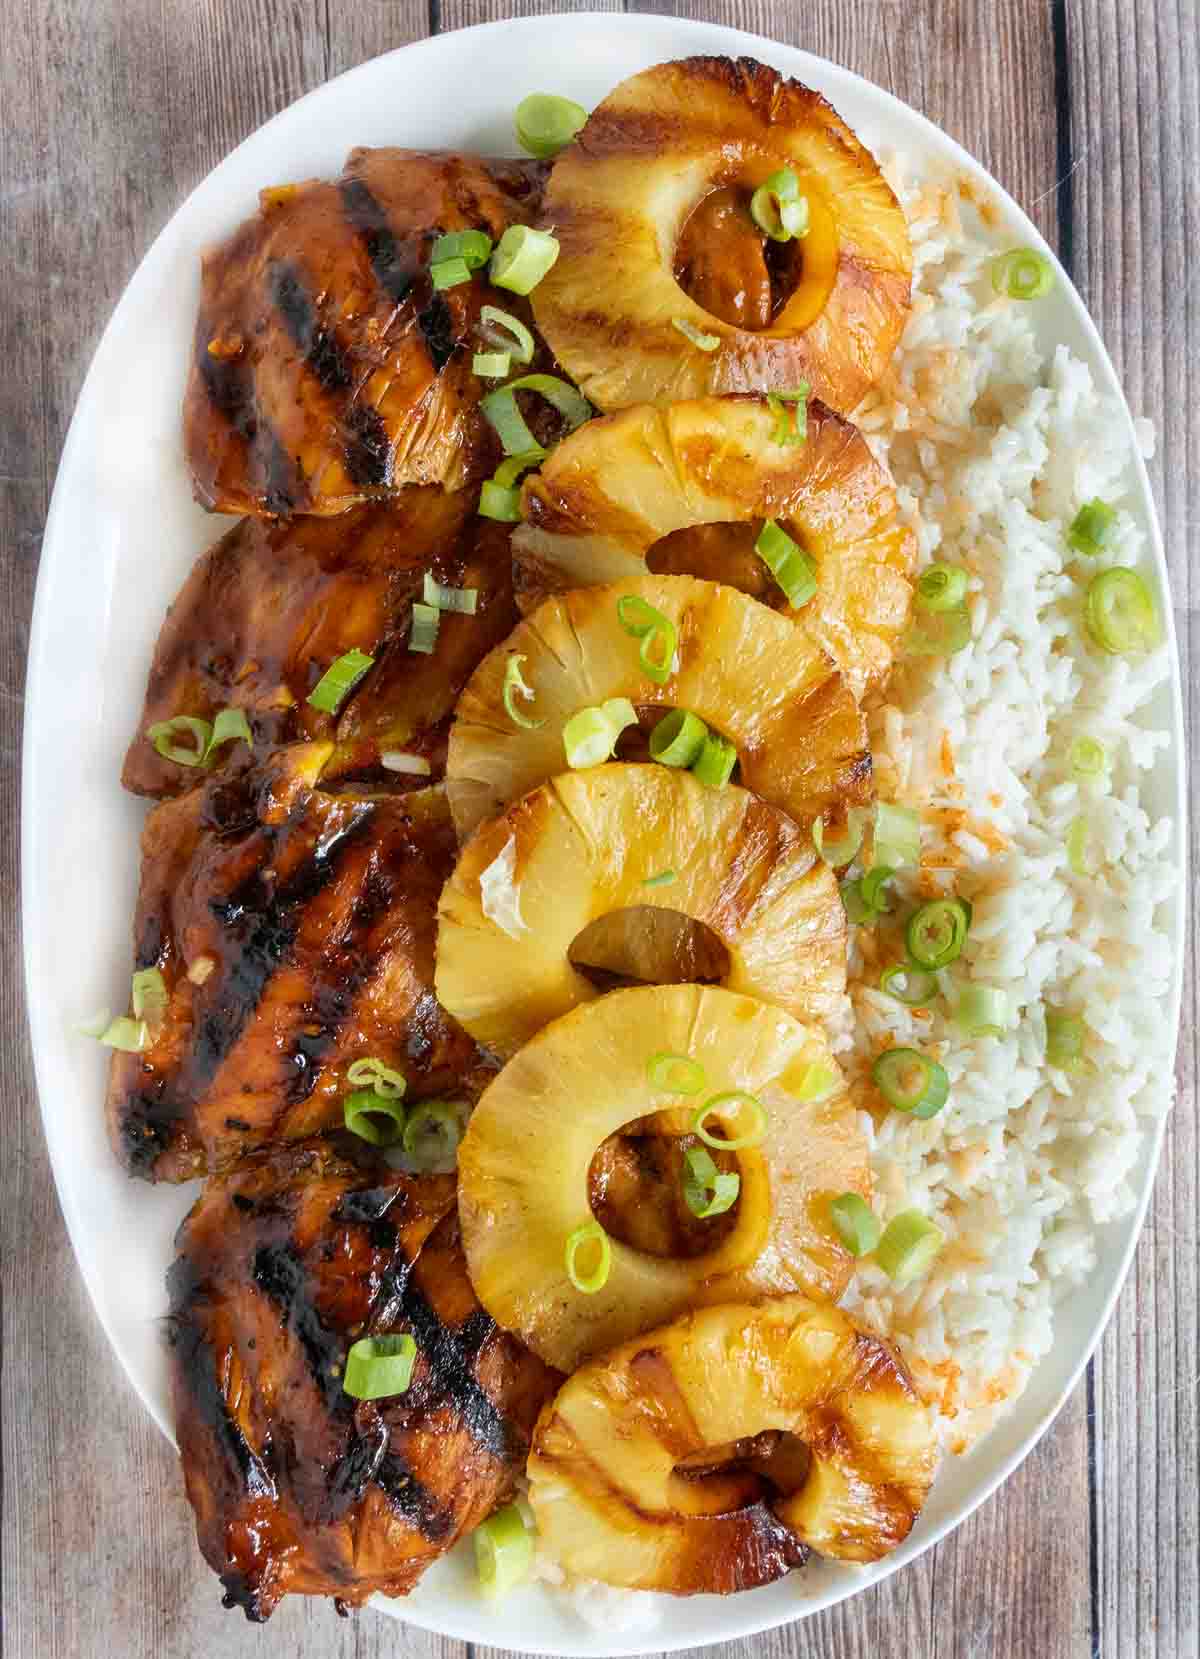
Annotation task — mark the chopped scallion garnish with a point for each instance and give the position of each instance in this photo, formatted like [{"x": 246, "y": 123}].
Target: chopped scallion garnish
[
  {"x": 697, "y": 336},
  {"x": 491, "y": 365},
  {"x": 507, "y": 333},
  {"x": 791, "y": 414},
  {"x": 1119, "y": 612},
  {"x": 379, "y": 1366},
  {"x": 163, "y": 735},
  {"x": 867, "y": 899},
  {"x": 500, "y": 408},
  {"x": 374, "y": 1117},
  {"x": 982, "y": 1011},
  {"x": 788, "y": 563},
  {"x": 514, "y": 686},
  {"x": 423, "y": 631},
  {"x": 1022, "y": 274},
  {"x": 897, "y": 836},
  {"x": 592, "y": 1239},
  {"x": 473, "y": 247},
  {"x": 664, "y": 878},
  {"x": 912, "y": 986},
  {"x": 678, "y": 738},
  {"x": 546, "y": 123},
  {"x": 818, "y": 1082},
  {"x": 939, "y": 633},
  {"x": 714, "y": 765},
  {"x": 909, "y": 1244},
  {"x": 936, "y": 933},
  {"x": 384, "y": 1080},
  {"x": 841, "y": 849},
  {"x": 503, "y": 1550},
  {"x": 462, "y": 600},
  {"x": 590, "y": 736},
  {"x": 911, "y": 1082},
  {"x": 1065, "y": 1038},
  {"x": 855, "y": 1223},
  {"x": 658, "y": 635},
  {"x": 1091, "y": 526},
  {"x": 449, "y": 273},
  {"x": 432, "y": 1134},
  {"x": 339, "y": 680},
  {"x": 1087, "y": 759},
  {"x": 778, "y": 208},
  {"x": 941, "y": 587},
  {"x": 742, "y": 1106},
  {"x": 675, "y": 1073},
  {"x": 708, "y": 1191},
  {"x": 523, "y": 257},
  {"x": 230, "y": 726},
  {"x": 1081, "y": 852},
  {"x": 149, "y": 996},
  {"x": 500, "y": 498},
  {"x": 130, "y": 1036}
]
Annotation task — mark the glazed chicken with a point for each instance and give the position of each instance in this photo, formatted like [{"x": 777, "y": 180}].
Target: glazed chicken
[
  {"x": 326, "y": 368},
  {"x": 297, "y": 1487},
  {"x": 265, "y": 612},
  {"x": 294, "y": 930}
]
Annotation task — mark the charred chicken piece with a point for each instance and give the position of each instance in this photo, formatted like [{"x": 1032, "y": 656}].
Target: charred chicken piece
[
  {"x": 326, "y": 367},
  {"x": 295, "y": 933},
  {"x": 297, "y": 1487},
  {"x": 266, "y": 611}
]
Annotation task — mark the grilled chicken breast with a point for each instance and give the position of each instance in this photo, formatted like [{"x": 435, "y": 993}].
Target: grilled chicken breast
[
  {"x": 295, "y": 932},
  {"x": 265, "y": 612},
  {"x": 298, "y": 1488},
  {"x": 326, "y": 368}
]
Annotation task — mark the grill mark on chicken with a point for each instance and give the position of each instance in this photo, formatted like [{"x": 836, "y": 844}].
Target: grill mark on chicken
[
  {"x": 395, "y": 266},
  {"x": 451, "y": 1373},
  {"x": 229, "y": 385},
  {"x": 280, "y": 1275},
  {"x": 437, "y": 325}
]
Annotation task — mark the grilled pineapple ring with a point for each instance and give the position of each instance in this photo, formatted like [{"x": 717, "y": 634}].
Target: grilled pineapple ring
[
  {"x": 618, "y": 200},
  {"x": 523, "y": 1166},
  {"x": 800, "y": 736},
  {"x": 585, "y": 844},
  {"x": 620, "y": 484},
  {"x": 603, "y": 1485}
]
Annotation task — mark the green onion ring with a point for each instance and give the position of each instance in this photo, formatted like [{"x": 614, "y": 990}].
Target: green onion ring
[
  {"x": 855, "y": 1223},
  {"x": 339, "y": 680},
  {"x": 507, "y": 333},
  {"x": 788, "y": 563},
  {"x": 678, "y": 738},
  {"x": 163, "y": 733},
  {"x": 432, "y": 1134},
  {"x": 449, "y": 273},
  {"x": 473, "y": 247},
  {"x": 522, "y": 258},
  {"x": 714, "y": 765},
  {"x": 982, "y": 1011},
  {"x": 545, "y": 123},
  {"x": 1119, "y": 613},
  {"x": 371, "y": 1072},
  {"x": 1087, "y": 759},
  {"x": 1090, "y": 528},
  {"x": 897, "y": 836},
  {"x": 936, "y": 932},
  {"x": 1066, "y": 1036},
  {"x": 914, "y": 987},
  {"x": 361, "y": 1112},
  {"x": 719, "y": 1103},
  {"x": 942, "y": 587},
  {"x": 503, "y": 1550},
  {"x": 909, "y": 1244},
  {"x": 423, "y": 629},
  {"x": 464, "y": 601},
  {"x": 591, "y": 1233},
  {"x": 708, "y": 1191},
  {"x": 514, "y": 686},
  {"x": 675, "y": 1073},
  {"x": 911, "y": 1082},
  {"x": 1022, "y": 274},
  {"x": 778, "y": 208},
  {"x": 379, "y": 1366}
]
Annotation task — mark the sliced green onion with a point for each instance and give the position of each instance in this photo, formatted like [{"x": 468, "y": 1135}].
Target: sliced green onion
[
  {"x": 491, "y": 365},
  {"x": 908, "y": 1247},
  {"x": 675, "y": 1073},
  {"x": 708, "y": 1191},
  {"x": 149, "y": 996},
  {"x": 399, "y": 760},
  {"x": 379, "y": 1366},
  {"x": 503, "y": 1550},
  {"x": 701, "y": 340},
  {"x": 449, "y": 273},
  {"x": 1090, "y": 527},
  {"x": 507, "y": 333},
  {"x": 96, "y": 1026},
  {"x": 423, "y": 632},
  {"x": 678, "y": 738},
  {"x": 788, "y": 563},
  {"x": 371, "y": 1071},
  {"x": 939, "y": 633},
  {"x": 1120, "y": 614},
  {"x": 912, "y": 986},
  {"x": 867, "y": 899},
  {"x": 473, "y": 247},
  {"x": 982, "y": 1011},
  {"x": 499, "y": 498},
  {"x": 373, "y": 1117},
  {"x": 229, "y": 726},
  {"x": 511, "y": 469},
  {"x": 818, "y": 1083},
  {"x": 339, "y": 680},
  {"x": 897, "y": 836},
  {"x": 130, "y": 1036},
  {"x": 500, "y": 408},
  {"x": 842, "y": 850},
  {"x": 721, "y": 1105},
  {"x": 432, "y": 1134},
  {"x": 658, "y": 634},
  {"x": 664, "y": 878},
  {"x": 911, "y": 1082},
  {"x": 1065, "y": 1039},
  {"x": 778, "y": 208},
  {"x": 514, "y": 686},
  {"x": 462, "y": 600},
  {"x": 855, "y": 1222},
  {"x": 942, "y": 588},
  {"x": 590, "y": 736},
  {"x": 1022, "y": 274},
  {"x": 1087, "y": 759},
  {"x": 791, "y": 415},
  {"x": 164, "y": 733},
  {"x": 546, "y": 123},
  {"x": 522, "y": 258},
  {"x": 1081, "y": 854},
  {"x": 936, "y": 933},
  {"x": 714, "y": 765},
  {"x": 593, "y": 1235}
]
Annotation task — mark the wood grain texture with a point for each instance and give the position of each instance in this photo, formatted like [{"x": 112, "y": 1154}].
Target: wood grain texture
[{"x": 112, "y": 110}]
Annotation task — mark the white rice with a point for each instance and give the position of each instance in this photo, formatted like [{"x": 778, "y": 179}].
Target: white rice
[{"x": 994, "y": 447}]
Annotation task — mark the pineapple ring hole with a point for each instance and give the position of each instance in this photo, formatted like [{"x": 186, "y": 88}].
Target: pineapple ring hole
[
  {"x": 649, "y": 945},
  {"x": 635, "y": 1188},
  {"x": 775, "y": 1463},
  {"x": 721, "y": 553}
]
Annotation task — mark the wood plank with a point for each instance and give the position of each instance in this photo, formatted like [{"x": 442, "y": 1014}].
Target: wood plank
[{"x": 1135, "y": 135}]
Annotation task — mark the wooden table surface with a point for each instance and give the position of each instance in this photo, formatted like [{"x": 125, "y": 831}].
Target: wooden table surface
[{"x": 110, "y": 111}]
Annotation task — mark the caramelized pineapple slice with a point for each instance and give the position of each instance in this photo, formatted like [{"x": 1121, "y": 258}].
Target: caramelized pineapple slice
[
  {"x": 523, "y": 1165},
  {"x": 587, "y": 843},
  {"x": 749, "y": 675},
  {"x": 829, "y": 308},
  {"x": 613, "y": 1468},
  {"x": 610, "y": 495}
]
